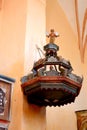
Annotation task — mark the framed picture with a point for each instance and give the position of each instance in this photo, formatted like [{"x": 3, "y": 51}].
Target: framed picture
[
  {"x": 5, "y": 97},
  {"x": 81, "y": 120}
]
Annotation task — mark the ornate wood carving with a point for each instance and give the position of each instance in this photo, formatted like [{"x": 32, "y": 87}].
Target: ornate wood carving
[{"x": 51, "y": 81}]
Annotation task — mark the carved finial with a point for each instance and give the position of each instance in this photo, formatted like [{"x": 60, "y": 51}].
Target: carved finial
[{"x": 52, "y": 35}]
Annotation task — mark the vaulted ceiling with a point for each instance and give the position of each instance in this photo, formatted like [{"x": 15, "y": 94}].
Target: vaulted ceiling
[{"x": 76, "y": 13}]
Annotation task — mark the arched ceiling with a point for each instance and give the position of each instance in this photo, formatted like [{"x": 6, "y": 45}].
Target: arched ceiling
[
  {"x": 69, "y": 10},
  {"x": 76, "y": 13}
]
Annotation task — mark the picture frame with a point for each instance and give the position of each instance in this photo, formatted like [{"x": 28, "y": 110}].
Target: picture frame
[
  {"x": 81, "y": 119},
  {"x": 5, "y": 94},
  {"x": 5, "y": 97}
]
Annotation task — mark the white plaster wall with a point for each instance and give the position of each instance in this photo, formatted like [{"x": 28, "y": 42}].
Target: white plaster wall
[
  {"x": 64, "y": 118},
  {"x": 35, "y": 31},
  {"x": 69, "y": 10},
  {"x": 12, "y": 39},
  {"x": 34, "y": 117},
  {"x": 22, "y": 26},
  {"x": 1, "y": 15}
]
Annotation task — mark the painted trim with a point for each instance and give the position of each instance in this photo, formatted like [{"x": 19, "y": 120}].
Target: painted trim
[{"x": 8, "y": 79}]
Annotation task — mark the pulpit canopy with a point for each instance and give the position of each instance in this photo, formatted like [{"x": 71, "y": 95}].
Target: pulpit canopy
[{"x": 52, "y": 81}]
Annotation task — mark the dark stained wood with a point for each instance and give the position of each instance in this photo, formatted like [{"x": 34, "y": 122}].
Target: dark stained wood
[{"x": 51, "y": 79}]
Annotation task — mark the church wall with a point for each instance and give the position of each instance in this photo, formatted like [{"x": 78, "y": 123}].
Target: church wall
[
  {"x": 1, "y": 13},
  {"x": 34, "y": 117},
  {"x": 64, "y": 117},
  {"x": 23, "y": 26},
  {"x": 12, "y": 39},
  {"x": 35, "y": 31}
]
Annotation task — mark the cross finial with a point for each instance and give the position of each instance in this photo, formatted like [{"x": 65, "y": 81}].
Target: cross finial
[{"x": 52, "y": 35}]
